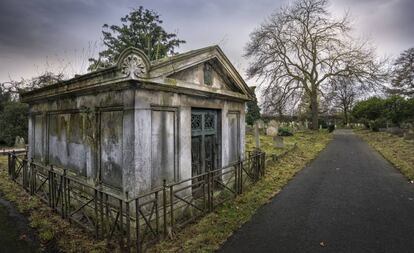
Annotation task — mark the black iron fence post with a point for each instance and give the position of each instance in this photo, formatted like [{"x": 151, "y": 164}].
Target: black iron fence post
[
  {"x": 13, "y": 165},
  {"x": 127, "y": 223},
  {"x": 101, "y": 213},
  {"x": 121, "y": 225},
  {"x": 107, "y": 223},
  {"x": 246, "y": 171},
  {"x": 209, "y": 200},
  {"x": 52, "y": 187},
  {"x": 64, "y": 195},
  {"x": 172, "y": 207},
  {"x": 164, "y": 203},
  {"x": 263, "y": 163},
  {"x": 157, "y": 223},
  {"x": 137, "y": 226},
  {"x": 95, "y": 203},
  {"x": 32, "y": 177},
  {"x": 241, "y": 178},
  {"x": 236, "y": 178},
  {"x": 8, "y": 163},
  {"x": 24, "y": 172}
]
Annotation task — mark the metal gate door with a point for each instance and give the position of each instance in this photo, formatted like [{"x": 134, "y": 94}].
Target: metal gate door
[{"x": 204, "y": 145}]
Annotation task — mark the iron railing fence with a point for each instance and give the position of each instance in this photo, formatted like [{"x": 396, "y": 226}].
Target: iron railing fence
[{"x": 136, "y": 222}]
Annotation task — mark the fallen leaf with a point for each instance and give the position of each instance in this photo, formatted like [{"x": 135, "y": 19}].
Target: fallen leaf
[{"x": 322, "y": 244}]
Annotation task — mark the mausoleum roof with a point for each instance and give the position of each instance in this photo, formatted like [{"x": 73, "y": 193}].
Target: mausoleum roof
[{"x": 133, "y": 68}]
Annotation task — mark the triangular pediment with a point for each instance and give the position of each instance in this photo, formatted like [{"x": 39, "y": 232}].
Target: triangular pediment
[
  {"x": 190, "y": 68},
  {"x": 209, "y": 73}
]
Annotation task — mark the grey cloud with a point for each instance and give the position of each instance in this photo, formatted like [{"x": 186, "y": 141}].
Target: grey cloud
[{"x": 30, "y": 30}]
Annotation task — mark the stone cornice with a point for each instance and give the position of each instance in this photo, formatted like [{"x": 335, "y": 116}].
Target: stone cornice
[{"x": 133, "y": 67}]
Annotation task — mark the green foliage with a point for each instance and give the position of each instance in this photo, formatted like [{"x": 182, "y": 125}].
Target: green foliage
[
  {"x": 13, "y": 122},
  {"x": 253, "y": 112},
  {"x": 375, "y": 125},
  {"x": 403, "y": 74},
  {"x": 13, "y": 114},
  {"x": 322, "y": 123},
  {"x": 331, "y": 128},
  {"x": 142, "y": 29},
  {"x": 4, "y": 98},
  {"x": 284, "y": 132},
  {"x": 376, "y": 112},
  {"x": 397, "y": 109},
  {"x": 369, "y": 109}
]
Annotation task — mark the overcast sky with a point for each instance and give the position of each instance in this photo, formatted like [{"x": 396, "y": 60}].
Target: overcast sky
[{"x": 61, "y": 34}]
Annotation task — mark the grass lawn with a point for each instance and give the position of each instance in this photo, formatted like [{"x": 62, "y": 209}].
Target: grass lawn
[
  {"x": 212, "y": 230},
  {"x": 54, "y": 232},
  {"x": 395, "y": 149},
  {"x": 267, "y": 143}
]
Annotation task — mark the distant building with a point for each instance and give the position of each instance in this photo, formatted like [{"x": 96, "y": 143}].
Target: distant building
[{"x": 129, "y": 126}]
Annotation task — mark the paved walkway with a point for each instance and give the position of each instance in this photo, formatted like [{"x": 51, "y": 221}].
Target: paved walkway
[
  {"x": 349, "y": 198},
  {"x": 15, "y": 234}
]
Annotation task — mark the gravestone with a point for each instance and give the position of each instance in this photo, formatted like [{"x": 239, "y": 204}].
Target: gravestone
[
  {"x": 272, "y": 128},
  {"x": 19, "y": 142},
  {"x": 294, "y": 126},
  {"x": 260, "y": 123},
  {"x": 273, "y": 123},
  {"x": 278, "y": 141},
  {"x": 271, "y": 131},
  {"x": 409, "y": 135}
]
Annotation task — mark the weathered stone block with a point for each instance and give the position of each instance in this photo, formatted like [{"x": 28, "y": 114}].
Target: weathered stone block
[{"x": 271, "y": 131}]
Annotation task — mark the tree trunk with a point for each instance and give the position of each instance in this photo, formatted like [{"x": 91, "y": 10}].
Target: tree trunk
[
  {"x": 345, "y": 116},
  {"x": 315, "y": 109}
]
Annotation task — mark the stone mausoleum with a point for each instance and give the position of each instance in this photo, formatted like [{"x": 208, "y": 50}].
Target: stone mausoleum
[{"x": 129, "y": 126}]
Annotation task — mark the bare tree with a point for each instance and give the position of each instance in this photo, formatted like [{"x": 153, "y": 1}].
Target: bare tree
[
  {"x": 344, "y": 94},
  {"x": 278, "y": 101},
  {"x": 298, "y": 49},
  {"x": 403, "y": 74},
  {"x": 15, "y": 87}
]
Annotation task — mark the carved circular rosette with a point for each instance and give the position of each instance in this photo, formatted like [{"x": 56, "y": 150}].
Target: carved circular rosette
[{"x": 133, "y": 66}]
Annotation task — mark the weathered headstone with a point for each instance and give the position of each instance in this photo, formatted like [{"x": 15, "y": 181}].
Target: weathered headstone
[
  {"x": 409, "y": 136},
  {"x": 19, "y": 142},
  {"x": 294, "y": 126},
  {"x": 271, "y": 131},
  {"x": 273, "y": 123},
  {"x": 278, "y": 141},
  {"x": 260, "y": 123}
]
